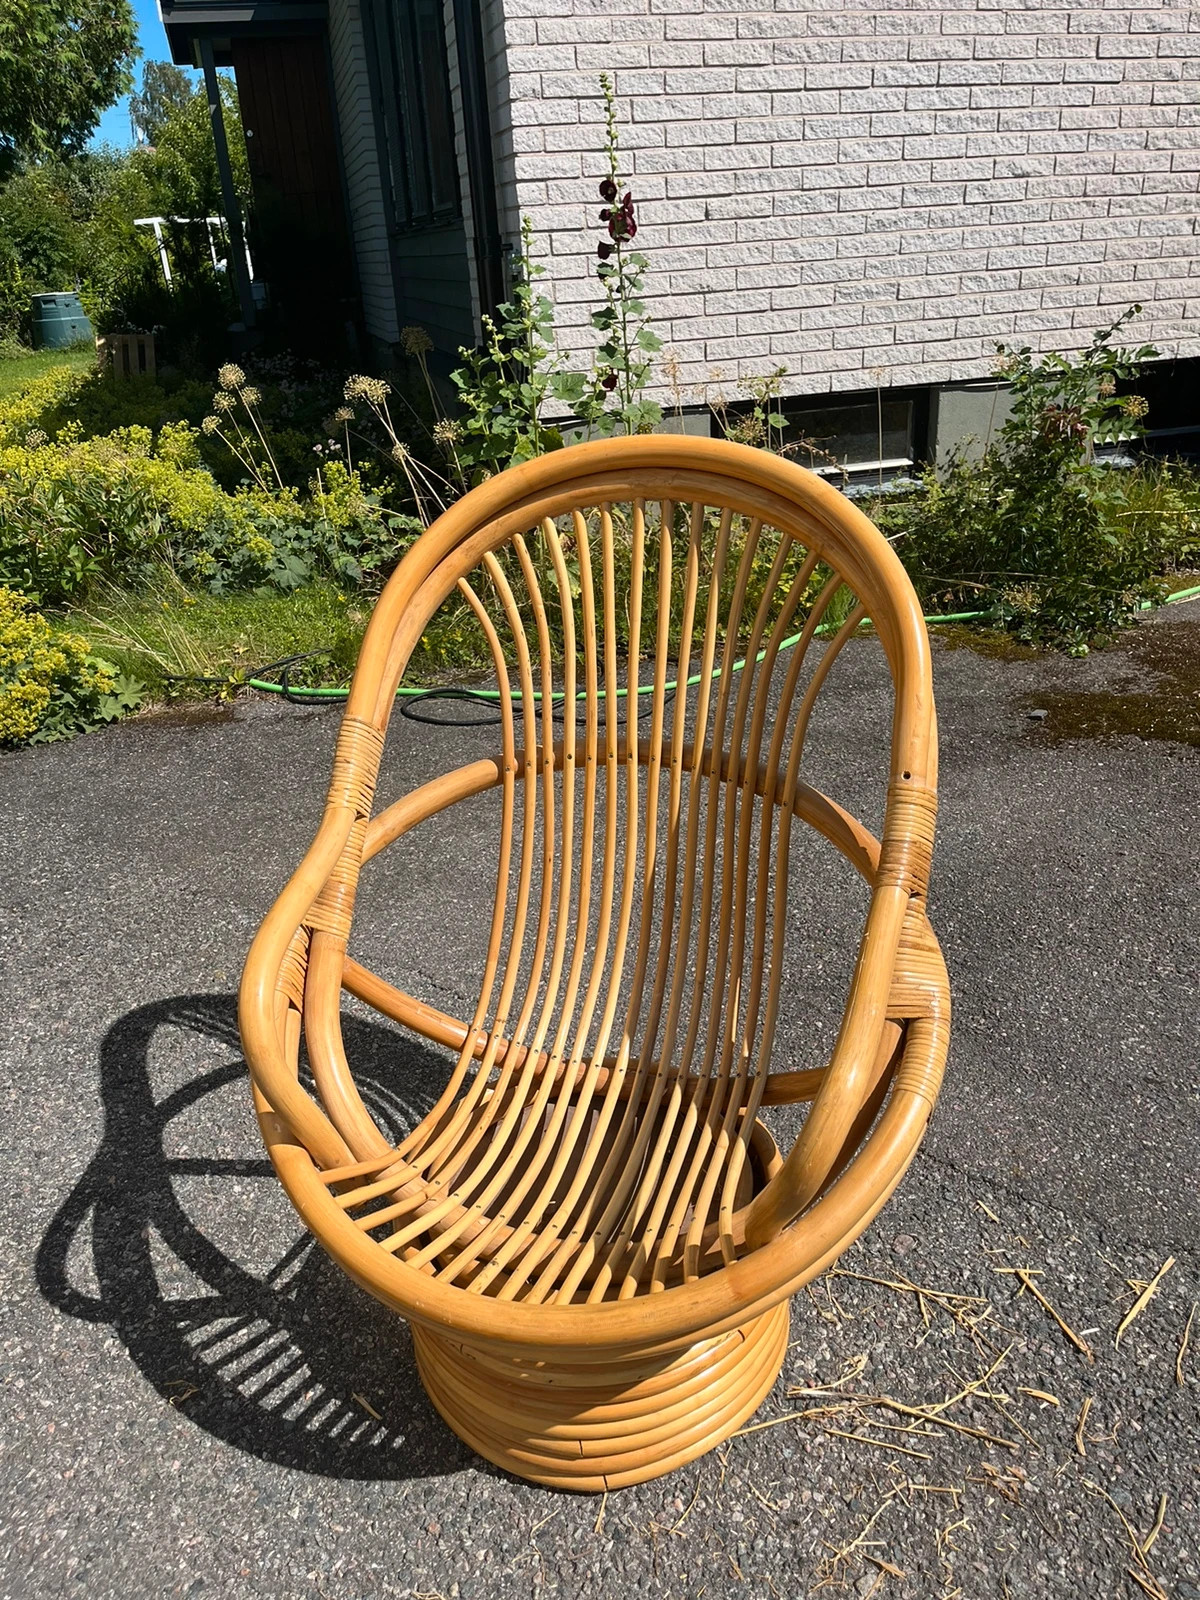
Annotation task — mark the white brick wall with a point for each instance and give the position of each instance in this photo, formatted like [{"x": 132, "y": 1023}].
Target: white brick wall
[{"x": 865, "y": 192}]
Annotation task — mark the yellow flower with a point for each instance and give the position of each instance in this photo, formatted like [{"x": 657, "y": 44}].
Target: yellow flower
[{"x": 36, "y": 668}]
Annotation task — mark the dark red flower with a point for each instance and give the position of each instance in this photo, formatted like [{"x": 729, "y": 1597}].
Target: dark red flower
[
  {"x": 605, "y": 215},
  {"x": 621, "y": 223},
  {"x": 604, "y": 250},
  {"x": 608, "y": 190},
  {"x": 609, "y": 381}
]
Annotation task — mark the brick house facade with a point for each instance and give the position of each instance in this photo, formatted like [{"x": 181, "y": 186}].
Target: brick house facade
[
  {"x": 869, "y": 194},
  {"x": 866, "y": 194}
]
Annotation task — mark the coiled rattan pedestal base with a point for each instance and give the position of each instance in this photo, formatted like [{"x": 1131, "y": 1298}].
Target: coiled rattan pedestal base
[{"x": 594, "y": 1426}]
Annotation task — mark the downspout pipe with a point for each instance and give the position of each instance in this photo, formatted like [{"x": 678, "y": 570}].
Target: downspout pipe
[{"x": 481, "y": 167}]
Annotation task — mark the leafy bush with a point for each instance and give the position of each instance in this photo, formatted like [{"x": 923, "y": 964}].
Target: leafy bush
[
  {"x": 102, "y": 403},
  {"x": 75, "y": 510},
  {"x": 27, "y": 408},
  {"x": 189, "y": 318},
  {"x": 51, "y": 686},
  {"x": 296, "y": 398},
  {"x": 1032, "y": 530},
  {"x": 1158, "y": 500},
  {"x": 67, "y": 221}
]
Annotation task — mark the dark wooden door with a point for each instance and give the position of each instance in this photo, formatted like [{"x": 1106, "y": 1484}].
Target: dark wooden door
[{"x": 300, "y": 234}]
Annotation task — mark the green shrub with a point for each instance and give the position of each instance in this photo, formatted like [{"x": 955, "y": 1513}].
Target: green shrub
[
  {"x": 1042, "y": 556},
  {"x": 74, "y": 511},
  {"x": 1032, "y": 531},
  {"x": 102, "y": 403},
  {"x": 68, "y": 221},
  {"x": 27, "y": 407},
  {"x": 51, "y": 686},
  {"x": 1160, "y": 501}
]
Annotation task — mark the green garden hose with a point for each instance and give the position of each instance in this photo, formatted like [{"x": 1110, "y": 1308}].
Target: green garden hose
[{"x": 326, "y": 692}]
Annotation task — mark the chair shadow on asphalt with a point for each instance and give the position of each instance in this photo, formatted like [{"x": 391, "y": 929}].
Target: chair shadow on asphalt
[{"x": 279, "y": 1363}]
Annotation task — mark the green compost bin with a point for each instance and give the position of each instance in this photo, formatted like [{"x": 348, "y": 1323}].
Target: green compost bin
[{"x": 58, "y": 321}]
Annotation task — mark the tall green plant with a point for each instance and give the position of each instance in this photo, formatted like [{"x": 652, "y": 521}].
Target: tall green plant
[
  {"x": 611, "y": 398},
  {"x": 1027, "y": 531},
  {"x": 503, "y": 386},
  {"x": 1065, "y": 405}
]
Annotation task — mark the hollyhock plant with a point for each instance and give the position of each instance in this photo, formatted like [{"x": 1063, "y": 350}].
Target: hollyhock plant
[{"x": 610, "y": 398}]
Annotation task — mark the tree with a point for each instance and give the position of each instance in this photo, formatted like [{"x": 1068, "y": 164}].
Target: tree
[
  {"x": 62, "y": 62},
  {"x": 166, "y": 90},
  {"x": 182, "y": 167}
]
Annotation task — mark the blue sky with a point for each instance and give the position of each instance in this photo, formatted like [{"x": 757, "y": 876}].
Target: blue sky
[{"x": 114, "y": 124}]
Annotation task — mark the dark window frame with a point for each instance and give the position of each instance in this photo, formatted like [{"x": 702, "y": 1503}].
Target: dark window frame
[
  {"x": 409, "y": 72},
  {"x": 803, "y": 410}
]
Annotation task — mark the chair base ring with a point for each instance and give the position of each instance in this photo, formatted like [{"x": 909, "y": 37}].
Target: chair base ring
[{"x": 594, "y": 1426}]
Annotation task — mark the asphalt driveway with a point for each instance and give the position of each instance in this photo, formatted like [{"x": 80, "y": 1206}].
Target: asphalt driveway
[{"x": 196, "y": 1402}]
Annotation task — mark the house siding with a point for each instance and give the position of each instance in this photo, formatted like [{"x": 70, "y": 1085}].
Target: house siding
[
  {"x": 424, "y": 278},
  {"x": 470, "y": 299},
  {"x": 864, "y": 193},
  {"x": 361, "y": 163},
  {"x": 435, "y": 284},
  {"x": 434, "y": 277}
]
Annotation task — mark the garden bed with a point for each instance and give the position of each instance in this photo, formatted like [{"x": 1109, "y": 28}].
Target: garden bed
[{"x": 196, "y": 534}]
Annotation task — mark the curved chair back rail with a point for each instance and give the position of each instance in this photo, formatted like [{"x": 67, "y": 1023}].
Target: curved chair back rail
[{"x": 594, "y": 1186}]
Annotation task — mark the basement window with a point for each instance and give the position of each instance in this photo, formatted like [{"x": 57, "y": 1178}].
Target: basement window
[{"x": 858, "y": 436}]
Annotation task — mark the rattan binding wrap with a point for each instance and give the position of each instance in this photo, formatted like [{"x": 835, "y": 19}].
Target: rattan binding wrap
[{"x": 592, "y": 1232}]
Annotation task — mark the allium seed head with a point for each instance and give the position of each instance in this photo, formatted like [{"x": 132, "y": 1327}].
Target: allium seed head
[
  {"x": 415, "y": 341},
  {"x": 373, "y": 390}
]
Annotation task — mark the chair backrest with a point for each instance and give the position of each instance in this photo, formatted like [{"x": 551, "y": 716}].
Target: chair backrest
[{"x": 661, "y": 614}]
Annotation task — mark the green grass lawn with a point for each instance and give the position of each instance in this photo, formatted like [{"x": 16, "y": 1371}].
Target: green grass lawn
[
  {"x": 172, "y": 633},
  {"x": 16, "y": 372}
]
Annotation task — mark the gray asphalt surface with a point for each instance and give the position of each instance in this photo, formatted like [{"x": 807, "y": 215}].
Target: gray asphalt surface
[{"x": 195, "y": 1402}]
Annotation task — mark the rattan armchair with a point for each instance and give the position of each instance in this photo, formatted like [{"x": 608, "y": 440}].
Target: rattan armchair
[{"x": 592, "y": 1232}]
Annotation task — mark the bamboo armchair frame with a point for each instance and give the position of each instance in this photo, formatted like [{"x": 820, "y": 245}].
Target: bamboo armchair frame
[{"x": 592, "y": 1233}]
